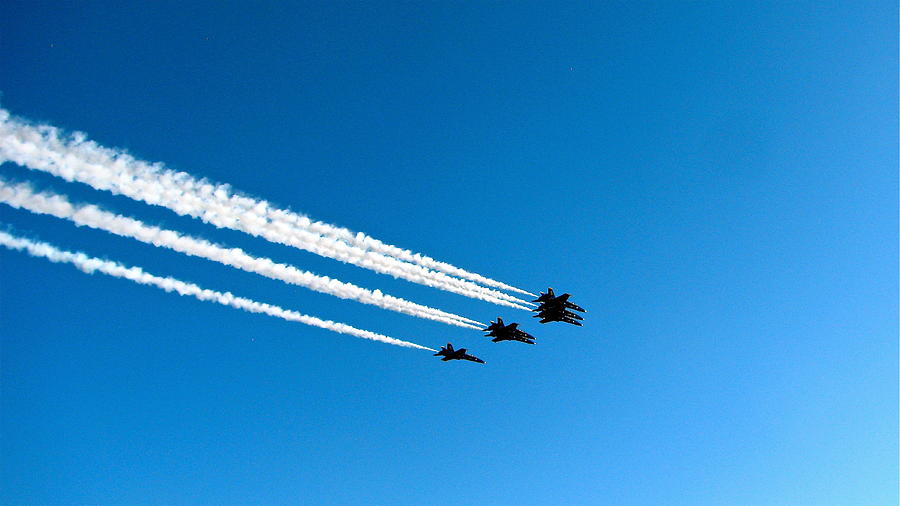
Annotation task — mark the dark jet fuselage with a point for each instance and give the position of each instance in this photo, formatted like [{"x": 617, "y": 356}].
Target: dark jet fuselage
[
  {"x": 448, "y": 353},
  {"x": 501, "y": 332},
  {"x": 550, "y": 299}
]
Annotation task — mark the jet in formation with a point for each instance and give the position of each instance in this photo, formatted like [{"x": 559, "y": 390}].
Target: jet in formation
[
  {"x": 555, "y": 308},
  {"x": 448, "y": 353},
  {"x": 502, "y": 332},
  {"x": 551, "y": 308}
]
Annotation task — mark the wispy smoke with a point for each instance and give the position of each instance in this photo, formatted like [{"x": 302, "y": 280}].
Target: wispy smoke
[
  {"x": 77, "y": 159},
  {"x": 22, "y": 196},
  {"x": 91, "y": 265}
]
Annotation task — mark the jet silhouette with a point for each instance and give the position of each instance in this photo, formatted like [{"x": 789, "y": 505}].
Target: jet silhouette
[
  {"x": 448, "y": 353},
  {"x": 555, "y": 308},
  {"x": 550, "y": 299},
  {"x": 501, "y": 332}
]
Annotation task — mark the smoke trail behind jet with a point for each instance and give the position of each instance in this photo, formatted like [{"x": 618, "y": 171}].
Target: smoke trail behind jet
[
  {"x": 22, "y": 196},
  {"x": 136, "y": 274},
  {"x": 77, "y": 159}
]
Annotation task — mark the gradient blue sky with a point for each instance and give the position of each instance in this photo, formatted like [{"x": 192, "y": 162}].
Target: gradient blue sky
[{"x": 716, "y": 182}]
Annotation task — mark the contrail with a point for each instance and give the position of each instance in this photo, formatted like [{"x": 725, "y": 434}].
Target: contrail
[
  {"x": 22, "y": 196},
  {"x": 136, "y": 274},
  {"x": 77, "y": 159},
  {"x": 367, "y": 242}
]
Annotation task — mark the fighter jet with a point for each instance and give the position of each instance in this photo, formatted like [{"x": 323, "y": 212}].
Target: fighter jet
[
  {"x": 557, "y": 314},
  {"x": 549, "y": 299},
  {"x": 501, "y": 332},
  {"x": 450, "y": 354}
]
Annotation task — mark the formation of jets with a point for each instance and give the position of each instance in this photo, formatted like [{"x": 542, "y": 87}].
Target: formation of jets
[
  {"x": 556, "y": 308},
  {"x": 551, "y": 308}
]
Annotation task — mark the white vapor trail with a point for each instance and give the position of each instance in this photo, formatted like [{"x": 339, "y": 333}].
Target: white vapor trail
[
  {"x": 136, "y": 274},
  {"x": 77, "y": 159},
  {"x": 22, "y": 196}
]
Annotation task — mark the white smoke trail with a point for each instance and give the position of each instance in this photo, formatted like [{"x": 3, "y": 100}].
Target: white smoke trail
[
  {"x": 22, "y": 196},
  {"x": 77, "y": 159},
  {"x": 136, "y": 274},
  {"x": 367, "y": 242}
]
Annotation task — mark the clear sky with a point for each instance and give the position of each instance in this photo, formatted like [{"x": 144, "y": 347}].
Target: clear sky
[{"x": 716, "y": 182}]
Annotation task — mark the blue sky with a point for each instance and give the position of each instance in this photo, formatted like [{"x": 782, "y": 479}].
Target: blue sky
[{"x": 715, "y": 182}]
